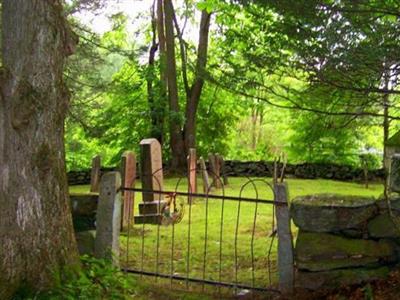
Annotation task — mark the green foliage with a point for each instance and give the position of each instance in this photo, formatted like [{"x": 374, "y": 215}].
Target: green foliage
[
  {"x": 97, "y": 280},
  {"x": 281, "y": 77},
  {"x": 217, "y": 115},
  {"x": 370, "y": 161}
]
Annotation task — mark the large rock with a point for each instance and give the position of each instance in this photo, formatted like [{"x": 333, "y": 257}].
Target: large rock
[
  {"x": 322, "y": 251},
  {"x": 337, "y": 278},
  {"x": 85, "y": 241},
  {"x": 331, "y": 212},
  {"x": 383, "y": 226},
  {"x": 84, "y": 207},
  {"x": 394, "y": 176},
  {"x": 394, "y": 202},
  {"x": 84, "y": 204}
]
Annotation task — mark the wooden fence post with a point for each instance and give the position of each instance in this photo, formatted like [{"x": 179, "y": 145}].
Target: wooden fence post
[
  {"x": 108, "y": 222},
  {"x": 285, "y": 241}
]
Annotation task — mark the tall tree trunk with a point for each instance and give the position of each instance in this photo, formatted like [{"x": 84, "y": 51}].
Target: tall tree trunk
[
  {"x": 253, "y": 128},
  {"x": 192, "y": 102},
  {"x": 155, "y": 106},
  {"x": 385, "y": 125},
  {"x": 161, "y": 43},
  {"x": 178, "y": 159},
  {"x": 260, "y": 123},
  {"x": 182, "y": 50},
  {"x": 36, "y": 234}
]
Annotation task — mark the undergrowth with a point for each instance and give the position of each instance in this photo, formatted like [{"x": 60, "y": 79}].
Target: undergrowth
[{"x": 97, "y": 279}]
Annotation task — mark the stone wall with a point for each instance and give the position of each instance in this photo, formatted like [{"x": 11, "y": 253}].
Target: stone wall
[
  {"x": 344, "y": 240},
  {"x": 81, "y": 177},
  {"x": 262, "y": 168},
  {"x": 306, "y": 170}
]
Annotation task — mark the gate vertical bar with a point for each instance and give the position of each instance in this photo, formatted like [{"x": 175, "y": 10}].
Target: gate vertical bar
[
  {"x": 285, "y": 241},
  {"x": 236, "y": 243},
  {"x": 220, "y": 244}
]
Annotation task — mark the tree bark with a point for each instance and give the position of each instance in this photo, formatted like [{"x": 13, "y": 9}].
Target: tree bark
[
  {"x": 36, "y": 234},
  {"x": 192, "y": 102},
  {"x": 182, "y": 50},
  {"x": 178, "y": 159},
  {"x": 161, "y": 42},
  {"x": 253, "y": 128},
  {"x": 156, "y": 113},
  {"x": 385, "y": 126}
]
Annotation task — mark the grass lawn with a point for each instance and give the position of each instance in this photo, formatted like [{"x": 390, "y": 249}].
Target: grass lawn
[{"x": 248, "y": 257}]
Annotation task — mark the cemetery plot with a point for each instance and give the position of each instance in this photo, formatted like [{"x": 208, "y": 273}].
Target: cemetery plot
[
  {"x": 211, "y": 238},
  {"x": 222, "y": 238}
]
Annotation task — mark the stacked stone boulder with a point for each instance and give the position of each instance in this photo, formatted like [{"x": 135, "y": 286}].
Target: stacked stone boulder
[
  {"x": 343, "y": 240},
  {"x": 84, "y": 208}
]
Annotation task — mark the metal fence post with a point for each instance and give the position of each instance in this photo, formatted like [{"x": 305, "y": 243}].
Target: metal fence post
[
  {"x": 285, "y": 241},
  {"x": 108, "y": 221}
]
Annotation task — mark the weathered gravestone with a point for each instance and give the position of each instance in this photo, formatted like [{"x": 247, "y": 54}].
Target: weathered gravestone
[
  {"x": 204, "y": 173},
  {"x": 152, "y": 180},
  {"x": 128, "y": 171},
  {"x": 151, "y": 169},
  {"x": 95, "y": 174},
  {"x": 192, "y": 168},
  {"x": 108, "y": 218},
  {"x": 215, "y": 170},
  {"x": 222, "y": 169}
]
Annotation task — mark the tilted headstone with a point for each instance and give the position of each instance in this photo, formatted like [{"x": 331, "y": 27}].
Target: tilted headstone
[
  {"x": 215, "y": 170},
  {"x": 108, "y": 218},
  {"x": 128, "y": 171},
  {"x": 151, "y": 169},
  {"x": 223, "y": 169},
  {"x": 95, "y": 174},
  {"x": 192, "y": 168},
  {"x": 394, "y": 175},
  {"x": 204, "y": 173}
]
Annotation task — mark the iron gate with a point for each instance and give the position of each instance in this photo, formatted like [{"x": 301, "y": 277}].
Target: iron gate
[{"x": 208, "y": 239}]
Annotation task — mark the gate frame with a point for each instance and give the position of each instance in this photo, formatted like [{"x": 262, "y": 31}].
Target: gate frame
[{"x": 283, "y": 230}]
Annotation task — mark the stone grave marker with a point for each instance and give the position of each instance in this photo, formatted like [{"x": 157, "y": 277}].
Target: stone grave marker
[
  {"x": 95, "y": 174},
  {"x": 204, "y": 173},
  {"x": 215, "y": 170},
  {"x": 192, "y": 169},
  {"x": 128, "y": 171},
  {"x": 151, "y": 169},
  {"x": 223, "y": 169},
  {"x": 152, "y": 180},
  {"x": 108, "y": 218}
]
